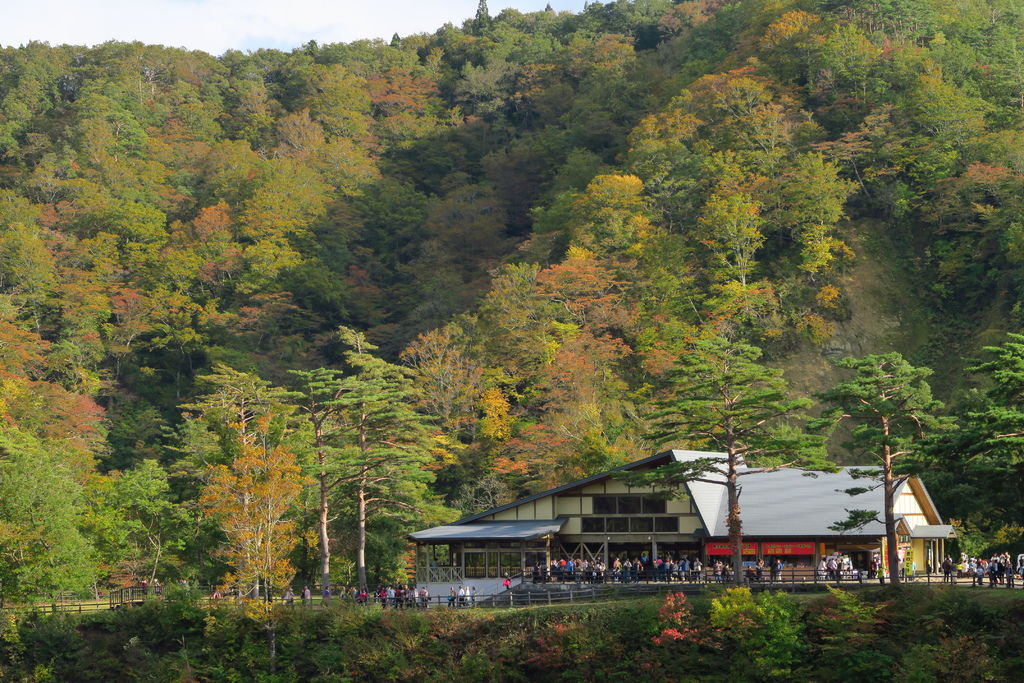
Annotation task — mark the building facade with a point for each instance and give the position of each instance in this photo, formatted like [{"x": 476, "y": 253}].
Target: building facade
[{"x": 786, "y": 515}]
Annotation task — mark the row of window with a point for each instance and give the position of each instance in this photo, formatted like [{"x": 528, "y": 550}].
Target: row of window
[
  {"x": 623, "y": 525},
  {"x": 479, "y": 565},
  {"x": 628, "y": 505}
]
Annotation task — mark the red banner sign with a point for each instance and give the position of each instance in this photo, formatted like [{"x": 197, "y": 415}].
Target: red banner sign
[
  {"x": 787, "y": 548},
  {"x": 719, "y": 548}
]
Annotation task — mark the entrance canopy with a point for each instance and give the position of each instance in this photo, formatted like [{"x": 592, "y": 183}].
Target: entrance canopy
[
  {"x": 520, "y": 530},
  {"x": 933, "y": 531}
]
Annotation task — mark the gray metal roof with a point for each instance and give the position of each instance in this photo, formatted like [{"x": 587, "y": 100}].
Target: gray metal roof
[
  {"x": 708, "y": 499},
  {"x": 515, "y": 530},
  {"x": 789, "y": 502},
  {"x": 933, "y": 531}
]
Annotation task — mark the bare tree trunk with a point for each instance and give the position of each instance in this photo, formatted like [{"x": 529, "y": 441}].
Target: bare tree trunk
[
  {"x": 272, "y": 647},
  {"x": 156, "y": 561},
  {"x": 890, "y": 512},
  {"x": 361, "y": 535},
  {"x": 735, "y": 526},
  {"x": 361, "y": 503},
  {"x": 325, "y": 541}
]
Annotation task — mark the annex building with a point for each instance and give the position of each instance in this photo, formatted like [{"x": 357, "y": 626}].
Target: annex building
[{"x": 786, "y": 514}]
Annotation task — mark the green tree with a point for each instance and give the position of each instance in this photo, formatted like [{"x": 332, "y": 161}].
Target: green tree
[
  {"x": 319, "y": 391},
  {"x": 981, "y": 465},
  {"x": 383, "y": 445},
  {"x": 891, "y": 409},
  {"x": 719, "y": 396},
  {"x": 731, "y": 228},
  {"x": 42, "y": 549},
  {"x": 153, "y": 522}
]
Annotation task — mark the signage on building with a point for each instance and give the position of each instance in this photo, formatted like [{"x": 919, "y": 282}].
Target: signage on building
[
  {"x": 787, "y": 548},
  {"x": 723, "y": 548}
]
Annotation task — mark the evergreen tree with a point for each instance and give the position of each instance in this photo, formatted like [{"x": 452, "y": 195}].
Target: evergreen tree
[
  {"x": 980, "y": 467},
  {"x": 383, "y": 443},
  {"x": 482, "y": 19},
  {"x": 891, "y": 409},
  {"x": 721, "y": 398},
  {"x": 319, "y": 392}
]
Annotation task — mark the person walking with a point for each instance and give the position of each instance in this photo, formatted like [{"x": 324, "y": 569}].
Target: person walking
[{"x": 307, "y": 595}]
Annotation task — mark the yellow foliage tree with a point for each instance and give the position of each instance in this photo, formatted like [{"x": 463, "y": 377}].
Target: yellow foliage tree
[{"x": 251, "y": 499}]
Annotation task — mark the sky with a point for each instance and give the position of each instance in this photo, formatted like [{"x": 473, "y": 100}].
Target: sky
[{"x": 219, "y": 25}]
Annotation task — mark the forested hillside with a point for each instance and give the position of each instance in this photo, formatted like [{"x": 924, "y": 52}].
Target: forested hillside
[{"x": 497, "y": 237}]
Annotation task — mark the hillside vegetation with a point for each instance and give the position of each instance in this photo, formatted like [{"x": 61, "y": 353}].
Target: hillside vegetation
[
  {"x": 919, "y": 635},
  {"x": 517, "y": 224}
]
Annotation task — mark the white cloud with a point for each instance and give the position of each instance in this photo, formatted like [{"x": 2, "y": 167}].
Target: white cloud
[{"x": 219, "y": 25}]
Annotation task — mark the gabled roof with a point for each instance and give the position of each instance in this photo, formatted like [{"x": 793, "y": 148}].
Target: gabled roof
[
  {"x": 663, "y": 456},
  {"x": 788, "y": 502},
  {"x": 792, "y": 502}
]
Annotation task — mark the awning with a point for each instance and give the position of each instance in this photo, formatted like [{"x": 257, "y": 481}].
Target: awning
[
  {"x": 522, "y": 530},
  {"x": 932, "y": 531}
]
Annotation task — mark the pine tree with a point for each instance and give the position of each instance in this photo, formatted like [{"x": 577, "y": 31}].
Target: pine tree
[
  {"x": 383, "y": 444},
  {"x": 891, "y": 410},
  {"x": 718, "y": 396},
  {"x": 482, "y": 19},
  {"x": 319, "y": 391}
]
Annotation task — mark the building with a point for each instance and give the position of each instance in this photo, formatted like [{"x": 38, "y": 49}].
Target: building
[{"x": 786, "y": 513}]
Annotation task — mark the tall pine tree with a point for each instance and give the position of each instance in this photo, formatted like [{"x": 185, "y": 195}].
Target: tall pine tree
[
  {"x": 383, "y": 445},
  {"x": 718, "y": 396},
  {"x": 891, "y": 409}
]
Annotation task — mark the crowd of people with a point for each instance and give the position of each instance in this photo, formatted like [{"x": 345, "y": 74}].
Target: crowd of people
[
  {"x": 688, "y": 569},
  {"x": 998, "y": 570}
]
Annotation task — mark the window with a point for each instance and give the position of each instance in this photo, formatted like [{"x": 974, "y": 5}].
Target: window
[
  {"x": 629, "y": 505},
  {"x": 617, "y": 525},
  {"x": 654, "y": 506},
  {"x": 492, "y": 565},
  {"x": 667, "y": 525},
  {"x": 535, "y": 558},
  {"x": 604, "y": 505},
  {"x": 641, "y": 524},
  {"x": 593, "y": 525},
  {"x": 510, "y": 563},
  {"x": 475, "y": 564}
]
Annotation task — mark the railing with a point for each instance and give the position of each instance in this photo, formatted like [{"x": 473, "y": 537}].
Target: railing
[
  {"x": 440, "y": 575},
  {"x": 651, "y": 575},
  {"x": 571, "y": 587}
]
